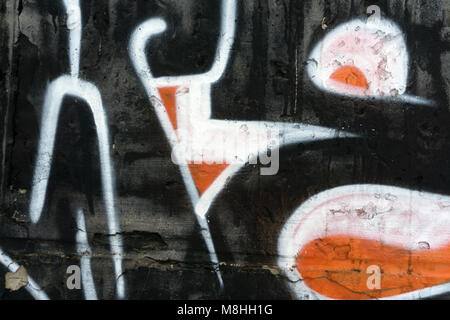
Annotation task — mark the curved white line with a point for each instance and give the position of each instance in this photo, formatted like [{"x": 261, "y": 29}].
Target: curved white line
[{"x": 225, "y": 44}]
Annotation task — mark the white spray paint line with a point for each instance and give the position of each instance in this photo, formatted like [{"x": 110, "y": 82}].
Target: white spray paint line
[
  {"x": 156, "y": 26},
  {"x": 206, "y": 234},
  {"x": 85, "y": 252},
  {"x": 194, "y": 114},
  {"x": 312, "y": 221},
  {"x": 57, "y": 90},
  {"x": 74, "y": 24},
  {"x": 32, "y": 287}
]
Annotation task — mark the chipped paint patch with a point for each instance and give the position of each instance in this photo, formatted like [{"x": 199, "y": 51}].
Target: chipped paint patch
[{"x": 16, "y": 280}]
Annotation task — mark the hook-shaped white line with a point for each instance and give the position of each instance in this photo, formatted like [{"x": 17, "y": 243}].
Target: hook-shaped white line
[
  {"x": 154, "y": 26},
  {"x": 138, "y": 42},
  {"x": 375, "y": 12}
]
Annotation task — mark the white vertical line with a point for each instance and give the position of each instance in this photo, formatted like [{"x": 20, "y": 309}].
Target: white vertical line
[
  {"x": 74, "y": 24},
  {"x": 85, "y": 253}
]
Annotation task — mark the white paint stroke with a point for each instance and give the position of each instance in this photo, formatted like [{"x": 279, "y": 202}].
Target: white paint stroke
[
  {"x": 155, "y": 26},
  {"x": 32, "y": 287},
  {"x": 89, "y": 93},
  {"x": 85, "y": 252},
  {"x": 57, "y": 90},
  {"x": 398, "y": 217},
  {"x": 214, "y": 141},
  {"x": 206, "y": 234},
  {"x": 374, "y": 11}
]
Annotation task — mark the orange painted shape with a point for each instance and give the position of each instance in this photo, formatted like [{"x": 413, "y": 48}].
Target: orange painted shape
[
  {"x": 336, "y": 267},
  {"x": 350, "y": 75},
  {"x": 205, "y": 174},
  {"x": 169, "y": 100}
]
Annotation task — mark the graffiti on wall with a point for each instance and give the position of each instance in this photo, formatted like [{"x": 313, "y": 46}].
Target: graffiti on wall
[
  {"x": 329, "y": 243},
  {"x": 209, "y": 151},
  {"x": 32, "y": 287},
  {"x": 72, "y": 85},
  {"x": 332, "y": 239},
  {"x": 363, "y": 59}
]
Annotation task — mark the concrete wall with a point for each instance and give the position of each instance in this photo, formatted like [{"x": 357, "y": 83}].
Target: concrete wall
[{"x": 275, "y": 236}]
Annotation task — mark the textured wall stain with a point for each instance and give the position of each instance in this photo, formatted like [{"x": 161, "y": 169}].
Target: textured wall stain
[{"x": 16, "y": 280}]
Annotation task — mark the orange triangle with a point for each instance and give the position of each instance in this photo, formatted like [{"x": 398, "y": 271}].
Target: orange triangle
[
  {"x": 205, "y": 174},
  {"x": 168, "y": 98},
  {"x": 350, "y": 75}
]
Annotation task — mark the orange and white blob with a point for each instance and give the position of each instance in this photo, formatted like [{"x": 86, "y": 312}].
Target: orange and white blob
[
  {"x": 365, "y": 58},
  {"x": 329, "y": 243}
]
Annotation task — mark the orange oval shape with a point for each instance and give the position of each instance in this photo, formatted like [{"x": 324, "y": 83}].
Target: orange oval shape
[
  {"x": 336, "y": 267},
  {"x": 351, "y": 76}
]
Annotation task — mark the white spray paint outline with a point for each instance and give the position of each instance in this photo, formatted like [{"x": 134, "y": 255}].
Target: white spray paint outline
[
  {"x": 306, "y": 225},
  {"x": 198, "y": 115},
  {"x": 392, "y": 36},
  {"x": 57, "y": 90}
]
